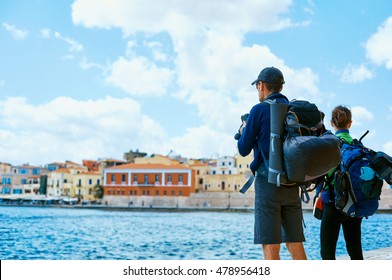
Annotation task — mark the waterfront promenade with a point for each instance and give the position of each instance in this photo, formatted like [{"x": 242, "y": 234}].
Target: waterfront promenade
[{"x": 378, "y": 254}]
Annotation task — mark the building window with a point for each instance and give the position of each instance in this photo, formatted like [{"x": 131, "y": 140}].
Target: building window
[
  {"x": 24, "y": 171},
  {"x": 146, "y": 179},
  {"x": 98, "y": 181},
  {"x": 123, "y": 178},
  {"x": 109, "y": 192},
  {"x": 173, "y": 193},
  {"x": 169, "y": 178},
  {"x": 130, "y": 192},
  {"x": 113, "y": 178},
  {"x": 223, "y": 163},
  {"x": 156, "y": 192},
  {"x": 230, "y": 172},
  {"x": 156, "y": 177},
  {"x": 80, "y": 183},
  {"x": 240, "y": 165},
  {"x": 148, "y": 192},
  {"x": 180, "y": 178},
  {"x": 90, "y": 181},
  {"x": 164, "y": 192},
  {"x": 223, "y": 172},
  {"x": 180, "y": 193}
]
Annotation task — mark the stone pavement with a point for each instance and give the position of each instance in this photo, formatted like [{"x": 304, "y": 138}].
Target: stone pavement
[{"x": 378, "y": 254}]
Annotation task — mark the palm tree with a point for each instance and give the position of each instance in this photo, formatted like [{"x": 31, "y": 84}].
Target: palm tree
[{"x": 98, "y": 191}]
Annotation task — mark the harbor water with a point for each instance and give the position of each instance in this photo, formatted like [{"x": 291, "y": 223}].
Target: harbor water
[{"x": 49, "y": 233}]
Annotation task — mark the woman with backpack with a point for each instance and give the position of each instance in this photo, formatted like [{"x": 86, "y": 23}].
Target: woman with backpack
[{"x": 332, "y": 220}]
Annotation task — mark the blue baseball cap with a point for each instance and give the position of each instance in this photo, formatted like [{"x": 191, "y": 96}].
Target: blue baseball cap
[{"x": 269, "y": 75}]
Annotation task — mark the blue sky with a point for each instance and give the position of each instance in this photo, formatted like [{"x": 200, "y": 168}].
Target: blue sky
[{"x": 91, "y": 79}]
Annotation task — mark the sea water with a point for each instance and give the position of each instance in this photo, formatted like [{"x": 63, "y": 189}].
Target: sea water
[{"x": 46, "y": 233}]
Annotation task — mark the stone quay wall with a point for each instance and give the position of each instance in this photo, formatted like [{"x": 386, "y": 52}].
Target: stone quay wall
[{"x": 218, "y": 200}]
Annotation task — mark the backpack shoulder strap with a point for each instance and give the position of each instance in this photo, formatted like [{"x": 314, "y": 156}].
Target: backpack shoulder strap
[{"x": 269, "y": 101}]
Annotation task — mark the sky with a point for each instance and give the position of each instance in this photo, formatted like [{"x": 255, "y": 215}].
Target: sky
[{"x": 93, "y": 79}]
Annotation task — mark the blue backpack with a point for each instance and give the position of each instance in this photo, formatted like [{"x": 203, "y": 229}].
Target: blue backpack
[{"x": 357, "y": 187}]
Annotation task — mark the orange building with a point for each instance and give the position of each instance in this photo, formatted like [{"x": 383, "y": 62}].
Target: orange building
[{"x": 149, "y": 180}]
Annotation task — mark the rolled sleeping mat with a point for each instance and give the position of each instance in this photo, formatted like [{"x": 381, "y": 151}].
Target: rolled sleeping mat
[
  {"x": 276, "y": 174},
  {"x": 309, "y": 157},
  {"x": 382, "y": 164}
]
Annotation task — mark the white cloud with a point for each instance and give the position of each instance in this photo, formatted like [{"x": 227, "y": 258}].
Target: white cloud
[
  {"x": 387, "y": 148},
  {"x": 18, "y": 34},
  {"x": 202, "y": 141},
  {"x": 74, "y": 46},
  {"x": 157, "y": 53},
  {"x": 213, "y": 68},
  {"x": 356, "y": 73},
  {"x": 68, "y": 129},
  {"x": 45, "y": 32},
  {"x": 183, "y": 17},
  {"x": 85, "y": 65},
  {"x": 361, "y": 115},
  {"x": 379, "y": 45},
  {"x": 139, "y": 76}
]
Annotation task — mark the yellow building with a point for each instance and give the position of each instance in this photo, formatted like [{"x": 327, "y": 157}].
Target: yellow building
[
  {"x": 59, "y": 182},
  {"x": 156, "y": 159},
  {"x": 223, "y": 182},
  {"x": 243, "y": 163},
  {"x": 201, "y": 170},
  {"x": 228, "y": 174},
  {"x": 84, "y": 184}
]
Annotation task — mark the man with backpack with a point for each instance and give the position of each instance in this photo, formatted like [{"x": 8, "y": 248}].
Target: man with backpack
[{"x": 278, "y": 211}]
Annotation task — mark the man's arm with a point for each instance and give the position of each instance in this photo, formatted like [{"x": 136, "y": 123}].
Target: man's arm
[{"x": 250, "y": 132}]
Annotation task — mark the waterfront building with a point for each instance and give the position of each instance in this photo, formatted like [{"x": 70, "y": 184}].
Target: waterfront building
[
  {"x": 92, "y": 165},
  {"x": 5, "y": 182},
  {"x": 17, "y": 177},
  {"x": 132, "y": 155},
  {"x": 156, "y": 159},
  {"x": 243, "y": 163},
  {"x": 32, "y": 186},
  {"x": 59, "y": 181},
  {"x": 106, "y": 163},
  {"x": 225, "y": 166},
  {"x": 55, "y": 166},
  {"x": 228, "y": 175},
  {"x": 84, "y": 185},
  {"x": 201, "y": 170},
  {"x": 134, "y": 181}
]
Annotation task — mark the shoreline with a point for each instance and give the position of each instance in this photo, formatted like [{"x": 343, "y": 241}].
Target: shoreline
[{"x": 160, "y": 209}]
